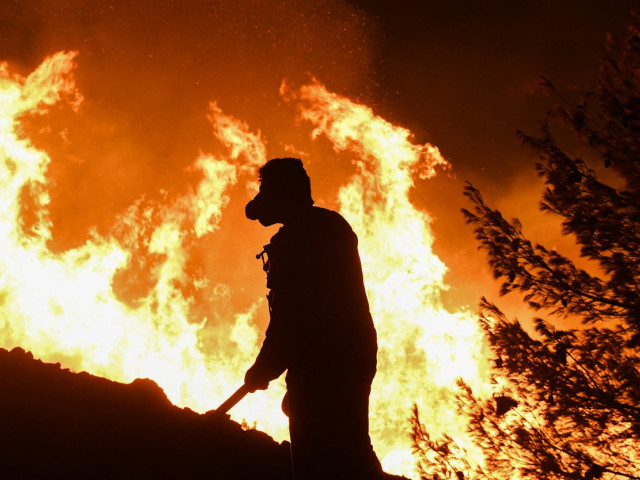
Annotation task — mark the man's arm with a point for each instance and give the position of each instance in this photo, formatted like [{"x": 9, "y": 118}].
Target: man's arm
[{"x": 271, "y": 361}]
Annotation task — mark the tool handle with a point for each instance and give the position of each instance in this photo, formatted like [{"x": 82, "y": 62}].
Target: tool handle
[{"x": 232, "y": 400}]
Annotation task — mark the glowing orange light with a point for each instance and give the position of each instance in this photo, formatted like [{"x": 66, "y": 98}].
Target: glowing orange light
[
  {"x": 423, "y": 348},
  {"x": 61, "y": 306}
]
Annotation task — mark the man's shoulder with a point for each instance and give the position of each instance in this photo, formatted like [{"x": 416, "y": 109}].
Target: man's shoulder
[
  {"x": 319, "y": 225},
  {"x": 330, "y": 220}
]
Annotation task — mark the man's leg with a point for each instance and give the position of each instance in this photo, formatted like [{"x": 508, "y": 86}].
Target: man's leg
[{"x": 329, "y": 434}]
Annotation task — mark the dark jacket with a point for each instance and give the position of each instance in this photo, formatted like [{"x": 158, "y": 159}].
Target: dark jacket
[{"x": 320, "y": 330}]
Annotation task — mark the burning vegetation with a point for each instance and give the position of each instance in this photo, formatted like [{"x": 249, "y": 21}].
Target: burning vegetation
[
  {"x": 141, "y": 301},
  {"x": 566, "y": 403},
  {"x": 129, "y": 270}
]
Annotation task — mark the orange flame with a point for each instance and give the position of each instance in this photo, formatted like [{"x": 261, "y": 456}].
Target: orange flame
[
  {"x": 423, "y": 348},
  {"x": 62, "y": 306}
]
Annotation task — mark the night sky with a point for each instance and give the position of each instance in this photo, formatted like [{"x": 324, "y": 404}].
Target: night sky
[
  {"x": 465, "y": 76},
  {"x": 461, "y": 75}
]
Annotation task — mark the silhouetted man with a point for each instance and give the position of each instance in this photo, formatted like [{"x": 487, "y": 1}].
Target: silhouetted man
[{"x": 320, "y": 330}]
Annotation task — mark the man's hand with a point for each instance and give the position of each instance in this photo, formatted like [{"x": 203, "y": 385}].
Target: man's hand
[{"x": 254, "y": 381}]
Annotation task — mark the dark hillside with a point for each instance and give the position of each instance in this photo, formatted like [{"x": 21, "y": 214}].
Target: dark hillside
[{"x": 58, "y": 424}]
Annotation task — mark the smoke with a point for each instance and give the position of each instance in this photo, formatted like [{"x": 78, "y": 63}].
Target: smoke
[
  {"x": 148, "y": 71},
  {"x": 133, "y": 163}
]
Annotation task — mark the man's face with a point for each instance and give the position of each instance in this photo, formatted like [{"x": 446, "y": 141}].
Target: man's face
[
  {"x": 266, "y": 207},
  {"x": 270, "y": 213}
]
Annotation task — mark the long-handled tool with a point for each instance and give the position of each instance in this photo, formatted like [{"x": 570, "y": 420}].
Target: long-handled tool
[
  {"x": 228, "y": 403},
  {"x": 232, "y": 400}
]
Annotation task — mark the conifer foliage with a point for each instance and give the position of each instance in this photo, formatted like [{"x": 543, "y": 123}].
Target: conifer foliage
[{"x": 567, "y": 401}]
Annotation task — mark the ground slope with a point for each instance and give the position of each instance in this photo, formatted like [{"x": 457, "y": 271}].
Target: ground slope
[{"x": 58, "y": 424}]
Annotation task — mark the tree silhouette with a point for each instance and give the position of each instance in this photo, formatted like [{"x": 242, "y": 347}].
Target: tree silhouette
[{"x": 567, "y": 401}]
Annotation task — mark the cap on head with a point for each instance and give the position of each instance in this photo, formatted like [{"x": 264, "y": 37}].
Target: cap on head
[{"x": 282, "y": 180}]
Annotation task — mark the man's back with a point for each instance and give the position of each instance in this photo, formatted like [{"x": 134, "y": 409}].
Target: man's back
[{"x": 318, "y": 295}]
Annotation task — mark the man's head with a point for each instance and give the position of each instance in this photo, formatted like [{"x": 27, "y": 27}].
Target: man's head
[{"x": 284, "y": 188}]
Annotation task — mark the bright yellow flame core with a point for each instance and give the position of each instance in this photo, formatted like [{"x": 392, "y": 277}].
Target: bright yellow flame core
[{"x": 62, "y": 307}]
